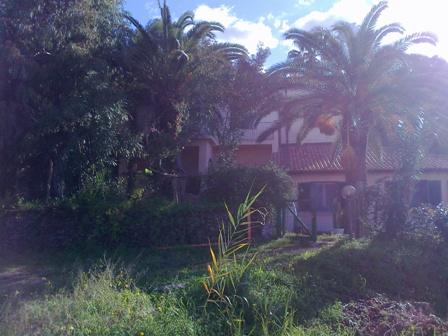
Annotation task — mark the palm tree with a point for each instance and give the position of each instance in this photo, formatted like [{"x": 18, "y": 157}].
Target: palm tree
[
  {"x": 346, "y": 79},
  {"x": 166, "y": 56},
  {"x": 168, "y": 63}
]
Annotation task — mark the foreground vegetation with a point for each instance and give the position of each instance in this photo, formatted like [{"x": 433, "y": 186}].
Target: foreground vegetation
[
  {"x": 340, "y": 288},
  {"x": 95, "y": 113}
]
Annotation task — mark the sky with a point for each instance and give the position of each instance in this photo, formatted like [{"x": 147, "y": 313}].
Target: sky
[{"x": 251, "y": 22}]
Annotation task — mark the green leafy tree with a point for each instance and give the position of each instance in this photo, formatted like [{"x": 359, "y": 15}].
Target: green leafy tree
[
  {"x": 245, "y": 90},
  {"x": 61, "y": 65}
]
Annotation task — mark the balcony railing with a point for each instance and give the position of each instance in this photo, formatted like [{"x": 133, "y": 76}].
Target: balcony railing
[{"x": 253, "y": 133}]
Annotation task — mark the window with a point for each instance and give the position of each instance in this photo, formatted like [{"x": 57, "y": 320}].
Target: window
[
  {"x": 319, "y": 196},
  {"x": 427, "y": 192}
]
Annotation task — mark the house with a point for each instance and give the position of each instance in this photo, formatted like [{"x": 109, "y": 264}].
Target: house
[{"x": 317, "y": 174}]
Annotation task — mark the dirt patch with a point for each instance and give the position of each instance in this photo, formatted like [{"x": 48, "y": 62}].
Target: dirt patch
[{"x": 21, "y": 282}]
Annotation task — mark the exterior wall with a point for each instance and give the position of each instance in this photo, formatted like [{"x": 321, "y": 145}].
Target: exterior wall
[
  {"x": 249, "y": 136},
  {"x": 314, "y": 136},
  {"x": 205, "y": 153}
]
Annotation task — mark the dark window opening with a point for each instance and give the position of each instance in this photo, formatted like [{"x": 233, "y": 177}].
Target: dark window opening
[
  {"x": 319, "y": 196},
  {"x": 427, "y": 192}
]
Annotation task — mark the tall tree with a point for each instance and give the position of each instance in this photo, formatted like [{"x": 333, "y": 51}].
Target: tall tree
[
  {"x": 348, "y": 79},
  {"x": 174, "y": 64},
  {"x": 60, "y": 61}
]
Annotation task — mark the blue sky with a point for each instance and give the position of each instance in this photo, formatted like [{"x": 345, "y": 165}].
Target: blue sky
[{"x": 251, "y": 22}]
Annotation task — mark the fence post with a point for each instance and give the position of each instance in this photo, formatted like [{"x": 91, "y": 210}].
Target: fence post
[
  {"x": 278, "y": 222},
  {"x": 314, "y": 226}
]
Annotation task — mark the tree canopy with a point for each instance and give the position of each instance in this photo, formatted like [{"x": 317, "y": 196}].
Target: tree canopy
[
  {"x": 84, "y": 86},
  {"x": 348, "y": 79}
]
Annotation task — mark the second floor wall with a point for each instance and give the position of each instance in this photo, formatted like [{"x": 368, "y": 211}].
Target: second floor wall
[{"x": 284, "y": 136}]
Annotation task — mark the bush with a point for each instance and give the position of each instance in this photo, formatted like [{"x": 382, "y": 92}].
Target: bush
[
  {"x": 104, "y": 215},
  {"x": 231, "y": 185},
  {"x": 389, "y": 214},
  {"x": 98, "y": 210},
  {"x": 148, "y": 222},
  {"x": 388, "y": 206},
  {"x": 428, "y": 222},
  {"x": 157, "y": 222}
]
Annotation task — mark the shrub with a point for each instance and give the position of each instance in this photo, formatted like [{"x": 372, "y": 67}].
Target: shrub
[
  {"x": 99, "y": 209},
  {"x": 157, "y": 222},
  {"x": 388, "y": 206},
  {"x": 230, "y": 185},
  {"x": 104, "y": 215},
  {"x": 428, "y": 222}
]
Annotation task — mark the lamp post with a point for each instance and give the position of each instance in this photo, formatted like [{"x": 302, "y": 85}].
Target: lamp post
[{"x": 347, "y": 194}]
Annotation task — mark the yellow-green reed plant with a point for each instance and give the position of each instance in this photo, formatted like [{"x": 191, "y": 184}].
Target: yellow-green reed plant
[{"x": 230, "y": 260}]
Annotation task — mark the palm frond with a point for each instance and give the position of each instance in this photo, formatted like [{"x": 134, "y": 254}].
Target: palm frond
[
  {"x": 416, "y": 38},
  {"x": 382, "y": 32},
  {"x": 372, "y": 17},
  {"x": 346, "y": 33},
  {"x": 230, "y": 51},
  {"x": 148, "y": 37},
  {"x": 287, "y": 66},
  {"x": 185, "y": 20},
  {"x": 302, "y": 38},
  {"x": 204, "y": 29},
  {"x": 274, "y": 127},
  {"x": 308, "y": 123}
]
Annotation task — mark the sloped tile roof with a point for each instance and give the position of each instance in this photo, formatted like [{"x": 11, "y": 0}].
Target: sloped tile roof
[{"x": 319, "y": 157}]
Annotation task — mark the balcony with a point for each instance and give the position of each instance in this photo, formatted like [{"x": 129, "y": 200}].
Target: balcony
[{"x": 251, "y": 135}]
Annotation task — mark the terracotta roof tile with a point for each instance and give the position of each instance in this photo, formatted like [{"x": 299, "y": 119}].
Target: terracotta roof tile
[{"x": 314, "y": 157}]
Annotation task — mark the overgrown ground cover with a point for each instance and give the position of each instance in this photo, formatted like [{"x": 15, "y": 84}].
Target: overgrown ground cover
[{"x": 337, "y": 287}]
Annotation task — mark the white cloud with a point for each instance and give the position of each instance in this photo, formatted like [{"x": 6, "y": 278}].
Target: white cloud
[
  {"x": 278, "y": 22},
  {"x": 289, "y": 44},
  {"x": 350, "y": 10},
  {"x": 152, "y": 7},
  {"x": 248, "y": 33},
  {"x": 305, "y": 2},
  {"x": 428, "y": 15},
  {"x": 417, "y": 16}
]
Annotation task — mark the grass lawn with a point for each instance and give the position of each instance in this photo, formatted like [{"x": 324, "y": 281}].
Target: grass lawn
[{"x": 335, "y": 287}]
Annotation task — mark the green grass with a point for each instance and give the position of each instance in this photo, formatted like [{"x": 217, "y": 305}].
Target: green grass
[
  {"x": 102, "y": 303},
  {"x": 292, "y": 289},
  {"x": 150, "y": 268}
]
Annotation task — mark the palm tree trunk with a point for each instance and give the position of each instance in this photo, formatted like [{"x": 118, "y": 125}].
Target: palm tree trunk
[
  {"x": 360, "y": 182},
  {"x": 356, "y": 175}
]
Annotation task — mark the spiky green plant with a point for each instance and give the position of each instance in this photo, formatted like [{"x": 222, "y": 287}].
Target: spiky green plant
[{"x": 230, "y": 261}]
